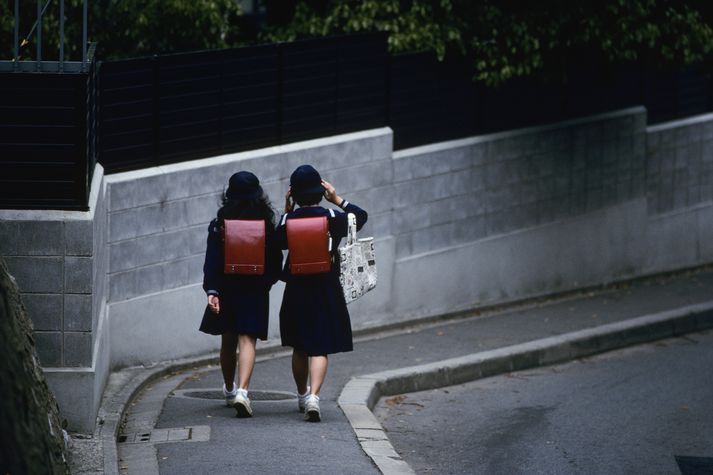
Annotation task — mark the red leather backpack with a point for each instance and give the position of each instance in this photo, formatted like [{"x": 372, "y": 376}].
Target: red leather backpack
[
  {"x": 244, "y": 246},
  {"x": 309, "y": 243}
]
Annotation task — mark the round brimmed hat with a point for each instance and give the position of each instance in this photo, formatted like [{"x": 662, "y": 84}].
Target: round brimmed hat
[
  {"x": 243, "y": 186},
  {"x": 306, "y": 180}
]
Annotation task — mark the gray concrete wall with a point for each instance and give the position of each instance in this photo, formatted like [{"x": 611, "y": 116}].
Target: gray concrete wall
[
  {"x": 459, "y": 224},
  {"x": 59, "y": 261}
]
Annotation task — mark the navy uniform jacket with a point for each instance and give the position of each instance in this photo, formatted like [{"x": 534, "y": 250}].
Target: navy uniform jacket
[
  {"x": 244, "y": 300},
  {"x": 314, "y": 317}
]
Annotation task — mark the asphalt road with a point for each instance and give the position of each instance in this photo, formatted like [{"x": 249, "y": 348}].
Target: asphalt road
[{"x": 629, "y": 411}]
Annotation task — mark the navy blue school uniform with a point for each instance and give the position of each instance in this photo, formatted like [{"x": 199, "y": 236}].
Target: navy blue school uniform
[
  {"x": 244, "y": 299},
  {"x": 314, "y": 318}
]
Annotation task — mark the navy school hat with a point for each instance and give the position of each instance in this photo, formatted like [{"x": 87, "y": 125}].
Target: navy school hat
[
  {"x": 243, "y": 186},
  {"x": 306, "y": 180}
]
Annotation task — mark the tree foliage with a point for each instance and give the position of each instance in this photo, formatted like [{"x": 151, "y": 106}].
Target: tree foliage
[
  {"x": 124, "y": 28},
  {"x": 511, "y": 38}
]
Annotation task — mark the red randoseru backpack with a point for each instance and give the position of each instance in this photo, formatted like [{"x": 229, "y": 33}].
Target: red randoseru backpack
[{"x": 244, "y": 246}]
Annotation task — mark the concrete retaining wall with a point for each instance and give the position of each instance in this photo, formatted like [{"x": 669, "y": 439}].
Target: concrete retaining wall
[{"x": 459, "y": 224}]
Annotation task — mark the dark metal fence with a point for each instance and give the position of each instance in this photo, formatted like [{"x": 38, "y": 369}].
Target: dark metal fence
[
  {"x": 177, "y": 107},
  {"x": 46, "y": 137},
  {"x": 431, "y": 101},
  {"x": 149, "y": 111}
]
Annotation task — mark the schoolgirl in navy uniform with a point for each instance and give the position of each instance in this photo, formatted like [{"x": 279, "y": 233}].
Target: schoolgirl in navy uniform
[
  {"x": 314, "y": 319},
  {"x": 239, "y": 305}
]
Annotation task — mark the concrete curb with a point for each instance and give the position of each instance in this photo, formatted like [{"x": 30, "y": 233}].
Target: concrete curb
[{"x": 361, "y": 393}]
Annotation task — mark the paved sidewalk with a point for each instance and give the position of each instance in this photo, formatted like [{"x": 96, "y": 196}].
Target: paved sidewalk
[{"x": 277, "y": 440}]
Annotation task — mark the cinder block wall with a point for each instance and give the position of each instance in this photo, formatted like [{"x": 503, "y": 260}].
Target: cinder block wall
[{"x": 459, "y": 224}]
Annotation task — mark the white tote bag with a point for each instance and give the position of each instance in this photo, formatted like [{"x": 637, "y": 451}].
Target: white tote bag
[{"x": 357, "y": 268}]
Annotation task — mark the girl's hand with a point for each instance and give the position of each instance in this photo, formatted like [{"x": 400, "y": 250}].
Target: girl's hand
[
  {"x": 330, "y": 194},
  {"x": 289, "y": 202},
  {"x": 214, "y": 303}
]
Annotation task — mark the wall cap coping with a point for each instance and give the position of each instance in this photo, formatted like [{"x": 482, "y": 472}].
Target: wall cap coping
[
  {"x": 449, "y": 144},
  {"x": 60, "y": 215},
  {"x": 247, "y": 155},
  {"x": 693, "y": 120}
]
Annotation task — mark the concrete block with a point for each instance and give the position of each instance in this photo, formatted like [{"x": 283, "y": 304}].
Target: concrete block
[
  {"x": 149, "y": 279},
  {"x": 45, "y": 311},
  {"x": 496, "y": 174},
  {"x": 78, "y": 312},
  {"x": 79, "y": 237},
  {"x": 78, "y": 274},
  {"x": 441, "y": 236},
  {"x": 122, "y": 255},
  {"x": 470, "y": 229},
  {"x": 172, "y": 245},
  {"x": 623, "y": 190},
  {"x": 202, "y": 209},
  {"x": 197, "y": 238},
  {"x": 155, "y": 188},
  {"x": 545, "y": 211},
  {"x": 609, "y": 195},
  {"x": 49, "y": 348},
  {"x": 404, "y": 245},
  {"x": 421, "y": 241},
  {"x": 638, "y": 185},
  {"x": 122, "y": 286},
  {"x": 440, "y": 212},
  {"x": 378, "y": 225},
  {"x": 37, "y": 274},
  {"x": 153, "y": 218},
  {"x": 176, "y": 274},
  {"x": 31, "y": 238},
  {"x": 594, "y": 199},
  {"x": 194, "y": 264},
  {"x": 594, "y": 177},
  {"x": 122, "y": 225},
  {"x": 680, "y": 197},
  {"x": 707, "y": 150},
  {"x": 77, "y": 349},
  {"x": 151, "y": 249},
  {"x": 478, "y": 154},
  {"x": 477, "y": 178},
  {"x": 694, "y": 195}
]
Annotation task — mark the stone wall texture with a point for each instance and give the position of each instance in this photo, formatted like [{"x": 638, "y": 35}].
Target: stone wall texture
[
  {"x": 32, "y": 439},
  {"x": 459, "y": 224}
]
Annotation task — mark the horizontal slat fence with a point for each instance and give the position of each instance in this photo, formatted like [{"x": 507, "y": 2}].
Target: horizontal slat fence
[
  {"x": 165, "y": 109},
  {"x": 43, "y": 161},
  {"x": 179, "y": 107}
]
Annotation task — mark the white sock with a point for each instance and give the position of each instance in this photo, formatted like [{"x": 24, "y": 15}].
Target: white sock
[
  {"x": 232, "y": 392},
  {"x": 305, "y": 394}
]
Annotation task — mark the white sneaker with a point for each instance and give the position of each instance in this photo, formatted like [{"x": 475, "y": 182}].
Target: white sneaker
[
  {"x": 230, "y": 395},
  {"x": 242, "y": 404},
  {"x": 312, "y": 409},
  {"x": 301, "y": 398}
]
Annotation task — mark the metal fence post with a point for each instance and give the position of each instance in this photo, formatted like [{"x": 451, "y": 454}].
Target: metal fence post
[
  {"x": 61, "y": 36},
  {"x": 39, "y": 35},
  {"x": 17, "y": 35}
]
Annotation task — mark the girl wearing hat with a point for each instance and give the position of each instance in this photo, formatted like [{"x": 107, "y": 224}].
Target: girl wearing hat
[
  {"x": 238, "y": 305},
  {"x": 314, "y": 319}
]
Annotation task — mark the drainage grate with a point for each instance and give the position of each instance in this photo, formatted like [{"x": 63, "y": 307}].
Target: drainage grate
[
  {"x": 158, "y": 436},
  {"x": 257, "y": 395}
]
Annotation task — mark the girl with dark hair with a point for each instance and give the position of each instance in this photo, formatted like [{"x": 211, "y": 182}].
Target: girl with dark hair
[
  {"x": 239, "y": 305},
  {"x": 314, "y": 319}
]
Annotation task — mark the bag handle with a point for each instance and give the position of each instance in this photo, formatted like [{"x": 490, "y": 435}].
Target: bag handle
[{"x": 351, "y": 229}]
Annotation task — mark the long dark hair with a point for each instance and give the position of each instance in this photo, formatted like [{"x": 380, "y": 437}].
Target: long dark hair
[{"x": 254, "y": 208}]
